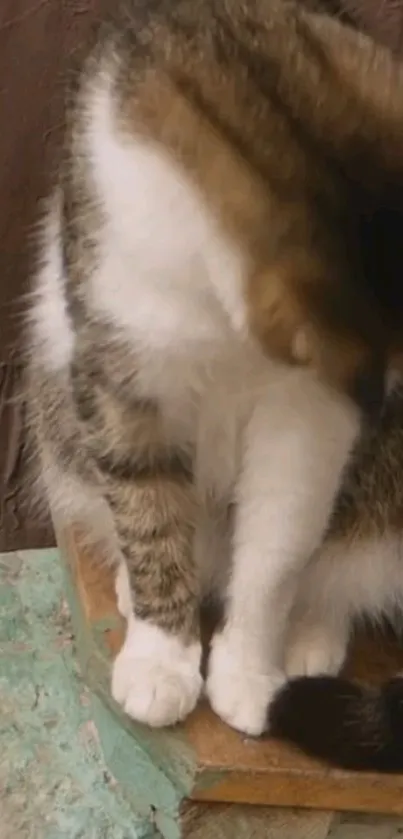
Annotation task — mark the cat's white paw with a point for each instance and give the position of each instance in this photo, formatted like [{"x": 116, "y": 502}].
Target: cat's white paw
[
  {"x": 312, "y": 650},
  {"x": 156, "y": 678},
  {"x": 238, "y": 692}
]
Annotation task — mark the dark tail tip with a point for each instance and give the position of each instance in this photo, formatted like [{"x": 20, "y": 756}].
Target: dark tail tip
[{"x": 345, "y": 724}]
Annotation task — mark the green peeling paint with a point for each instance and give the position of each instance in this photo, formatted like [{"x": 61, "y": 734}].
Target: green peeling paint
[
  {"x": 54, "y": 782},
  {"x": 52, "y": 725},
  {"x": 143, "y": 783},
  {"x": 167, "y": 751}
]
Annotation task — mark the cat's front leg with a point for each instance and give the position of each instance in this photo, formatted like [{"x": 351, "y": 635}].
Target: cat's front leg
[
  {"x": 156, "y": 676},
  {"x": 147, "y": 481},
  {"x": 295, "y": 448}
]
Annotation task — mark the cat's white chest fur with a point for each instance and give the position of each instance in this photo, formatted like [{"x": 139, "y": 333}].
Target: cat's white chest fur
[
  {"x": 172, "y": 281},
  {"x": 168, "y": 259}
]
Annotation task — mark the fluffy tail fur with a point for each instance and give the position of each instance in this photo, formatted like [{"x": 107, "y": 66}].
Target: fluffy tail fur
[{"x": 348, "y": 725}]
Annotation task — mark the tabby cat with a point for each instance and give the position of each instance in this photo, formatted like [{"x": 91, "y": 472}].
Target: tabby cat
[{"x": 209, "y": 345}]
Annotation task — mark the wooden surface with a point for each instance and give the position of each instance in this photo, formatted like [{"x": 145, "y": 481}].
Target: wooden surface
[
  {"x": 225, "y": 766},
  {"x": 235, "y": 821}
]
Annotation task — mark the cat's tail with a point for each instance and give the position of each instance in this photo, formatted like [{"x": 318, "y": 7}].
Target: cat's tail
[{"x": 348, "y": 725}]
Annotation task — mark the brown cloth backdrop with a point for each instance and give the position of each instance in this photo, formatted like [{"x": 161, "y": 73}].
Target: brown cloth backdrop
[{"x": 36, "y": 37}]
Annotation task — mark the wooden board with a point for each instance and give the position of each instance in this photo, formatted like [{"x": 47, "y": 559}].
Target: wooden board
[
  {"x": 221, "y": 765},
  {"x": 236, "y": 821}
]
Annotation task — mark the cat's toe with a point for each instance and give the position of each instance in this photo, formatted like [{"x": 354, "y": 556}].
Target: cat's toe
[
  {"x": 239, "y": 693},
  {"x": 155, "y": 695},
  {"x": 314, "y": 651},
  {"x": 158, "y": 685}
]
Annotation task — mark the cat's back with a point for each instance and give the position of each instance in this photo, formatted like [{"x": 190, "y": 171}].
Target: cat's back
[
  {"x": 206, "y": 80},
  {"x": 179, "y": 135},
  {"x": 200, "y": 167},
  {"x": 200, "y": 82}
]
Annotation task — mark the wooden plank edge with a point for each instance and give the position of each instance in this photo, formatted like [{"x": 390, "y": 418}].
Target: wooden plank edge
[{"x": 306, "y": 784}]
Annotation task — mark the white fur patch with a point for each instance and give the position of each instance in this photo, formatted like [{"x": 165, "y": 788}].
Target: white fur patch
[
  {"x": 123, "y": 593},
  {"x": 170, "y": 273},
  {"x": 344, "y": 581},
  {"x": 71, "y": 500},
  {"x": 52, "y": 334},
  {"x": 238, "y": 690},
  {"x": 156, "y": 678},
  {"x": 315, "y": 650},
  {"x": 341, "y": 583}
]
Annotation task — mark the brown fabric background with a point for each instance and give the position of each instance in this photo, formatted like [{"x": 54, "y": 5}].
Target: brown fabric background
[{"x": 36, "y": 37}]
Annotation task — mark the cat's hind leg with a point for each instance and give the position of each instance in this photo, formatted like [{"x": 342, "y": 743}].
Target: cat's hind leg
[
  {"x": 316, "y": 645},
  {"x": 320, "y": 621},
  {"x": 346, "y": 579},
  {"x": 329, "y": 717}
]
